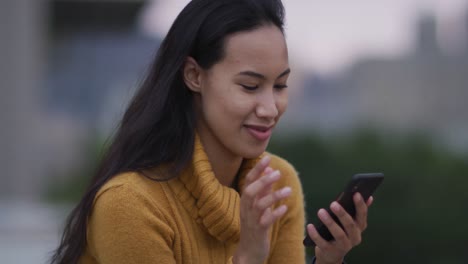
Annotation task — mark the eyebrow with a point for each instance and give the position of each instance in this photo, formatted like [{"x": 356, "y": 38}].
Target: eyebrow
[{"x": 261, "y": 76}]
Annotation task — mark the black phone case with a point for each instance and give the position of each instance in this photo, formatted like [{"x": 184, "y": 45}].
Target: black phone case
[{"x": 365, "y": 184}]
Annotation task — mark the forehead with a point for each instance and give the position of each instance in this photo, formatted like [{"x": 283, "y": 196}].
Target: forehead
[{"x": 263, "y": 49}]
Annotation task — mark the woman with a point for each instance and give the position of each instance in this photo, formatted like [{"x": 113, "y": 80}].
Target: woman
[{"x": 186, "y": 178}]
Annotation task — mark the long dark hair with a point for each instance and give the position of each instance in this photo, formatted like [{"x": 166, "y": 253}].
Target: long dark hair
[{"x": 158, "y": 126}]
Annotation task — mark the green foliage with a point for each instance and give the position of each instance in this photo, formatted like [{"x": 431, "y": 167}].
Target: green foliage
[{"x": 420, "y": 211}]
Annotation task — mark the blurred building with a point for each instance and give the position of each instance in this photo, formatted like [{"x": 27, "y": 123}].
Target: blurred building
[
  {"x": 425, "y": 91},
  {"x": 97, "y": 57},
  {"x": 22, "y": 53},
  {"x": 71, "y": 68}
]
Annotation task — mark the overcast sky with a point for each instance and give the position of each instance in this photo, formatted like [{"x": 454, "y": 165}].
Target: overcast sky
[{"x": 328, "y": 35}]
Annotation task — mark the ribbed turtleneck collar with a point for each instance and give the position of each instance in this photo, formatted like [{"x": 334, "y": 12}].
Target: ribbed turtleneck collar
[{"x": 215, "y": 206}]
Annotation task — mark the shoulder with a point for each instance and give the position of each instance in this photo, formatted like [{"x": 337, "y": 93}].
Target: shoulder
[
  {"x": 126, "y": 213},
  {"x": 130, "y": 191},
  {"x": 131, "y": 199},
  {"x": 124, "y": 184},
  {"x": 130, "y": 182}
]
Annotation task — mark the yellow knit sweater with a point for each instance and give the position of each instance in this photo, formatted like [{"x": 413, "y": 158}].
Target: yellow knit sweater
[{"x": 189, "y": 219}]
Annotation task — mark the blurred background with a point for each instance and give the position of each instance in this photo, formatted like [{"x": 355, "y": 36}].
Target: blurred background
[{"x": 376, "y": 86}]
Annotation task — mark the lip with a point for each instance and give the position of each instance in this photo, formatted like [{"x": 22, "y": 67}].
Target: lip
[{"x": 260, "y": 133}]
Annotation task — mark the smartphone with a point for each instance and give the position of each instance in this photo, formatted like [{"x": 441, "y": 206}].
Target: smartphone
[{"x": 363, "y": 183}]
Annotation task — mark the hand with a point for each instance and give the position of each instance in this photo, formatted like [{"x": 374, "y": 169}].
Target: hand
[
  {"x": 256, "y": 212},
  {"x": 333, "y": 252}
]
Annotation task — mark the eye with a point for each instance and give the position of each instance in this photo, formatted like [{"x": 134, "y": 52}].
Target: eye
[
  {"x": 249, "y": 88},
  {"x": 281, "y": 86}
]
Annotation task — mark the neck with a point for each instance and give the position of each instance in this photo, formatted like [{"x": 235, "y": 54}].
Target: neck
[
  {"x": 225, "y": 170},
  {"x": 225, "y": 165}
]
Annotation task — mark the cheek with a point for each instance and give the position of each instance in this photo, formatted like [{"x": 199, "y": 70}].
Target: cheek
[
  {"x": 235, "y": 108},
  {"x": 282, "y": 102},
  {"x": 226, "y": 105}
]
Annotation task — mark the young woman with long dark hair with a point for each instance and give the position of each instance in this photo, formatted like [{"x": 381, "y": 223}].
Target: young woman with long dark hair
[{"x": 186, "y": 178}]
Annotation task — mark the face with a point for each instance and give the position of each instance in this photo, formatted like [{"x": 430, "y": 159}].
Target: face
[{"x": 241, "y": 98}]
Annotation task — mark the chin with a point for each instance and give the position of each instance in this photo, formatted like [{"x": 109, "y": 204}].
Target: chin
[{"x": 253, "y": 151}]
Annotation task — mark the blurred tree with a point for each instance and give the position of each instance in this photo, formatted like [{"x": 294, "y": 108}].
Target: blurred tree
[{"x": 420, "y": 210}]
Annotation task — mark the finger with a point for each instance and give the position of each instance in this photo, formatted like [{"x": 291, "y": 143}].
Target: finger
[
  {"x": 361, "y": 211},
  {"x": 317, "y": 238},
  {"x": 337, "y": 232},
  {"x": 251, "y": 192},
  {"x": 268, "y": 170},
  {"x": 257, "y": 170},
  {"x": 270, "y": 199},
  {"x": 267, "y": 189},
  {"x": 350, "y": 227},
  {"x": 270, "y": 215}
]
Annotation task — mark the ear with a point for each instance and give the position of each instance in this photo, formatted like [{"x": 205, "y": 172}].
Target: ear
[{"x": 192, "y": 74}]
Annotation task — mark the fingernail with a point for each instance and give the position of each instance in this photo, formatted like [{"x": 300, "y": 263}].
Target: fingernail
[
  {"x": 358, "y": 197},
  {"x": 274, "y": 175},
  {"x": 313, "y": 228},
  {"x": 283, "y": 208},
  {"x": 335, "y": 206},
  {"x": 264, "y": 161},
  {"x": 323, "y": 214},
  {"x": 286, "y": 191},
  {"x": 268, "y": 170}
]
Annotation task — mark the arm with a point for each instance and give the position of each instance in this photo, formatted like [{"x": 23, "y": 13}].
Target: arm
[{"x": 125, "y": 227}]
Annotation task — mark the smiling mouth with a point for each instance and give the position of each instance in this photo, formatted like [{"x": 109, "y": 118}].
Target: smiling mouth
[{"x": 260, "y": 133}]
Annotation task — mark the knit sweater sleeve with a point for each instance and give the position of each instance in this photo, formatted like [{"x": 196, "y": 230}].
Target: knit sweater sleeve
[
  {"x": 126, "y": 227},
  {"x": 289, "y": 233}
]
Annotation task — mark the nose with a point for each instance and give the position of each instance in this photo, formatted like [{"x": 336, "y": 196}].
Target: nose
[{"x": 267, "y": 105}]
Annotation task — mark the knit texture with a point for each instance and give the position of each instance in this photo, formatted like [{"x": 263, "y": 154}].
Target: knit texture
[{"x": 192, "y": 218}]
